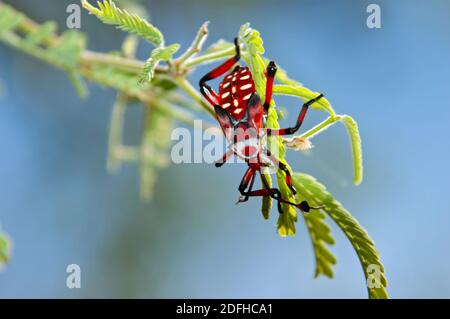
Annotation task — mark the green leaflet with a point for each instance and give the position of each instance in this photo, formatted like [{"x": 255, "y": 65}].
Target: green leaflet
[
  {"x": 157, "y": 55},
  {"x": 109, "y": 13},
  {"x": 355, "y": 139},
  {"x": 286, "y": 221},
  {"x": 316, "y": 194},
  {"x": 252, "y": 38},
  {"x": 5, "y": 249},
  {"x": 266, "y": 206},
  {"x": 254, "y": 45},
  {"x": 165, "y": 53},
  {"x": 320, "y": 234}
]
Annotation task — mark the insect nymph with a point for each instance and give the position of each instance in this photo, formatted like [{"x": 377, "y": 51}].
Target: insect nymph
[{"x": 241, "y": 115}]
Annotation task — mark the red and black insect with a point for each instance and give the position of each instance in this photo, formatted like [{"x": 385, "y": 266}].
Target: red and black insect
[{"x": 241, "y": 115}]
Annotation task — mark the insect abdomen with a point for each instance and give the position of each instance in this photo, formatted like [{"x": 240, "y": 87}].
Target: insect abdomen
[{"x": 235, "y": 91}]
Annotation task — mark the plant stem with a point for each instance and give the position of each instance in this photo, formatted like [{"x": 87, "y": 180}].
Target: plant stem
[
  {"x": 125, "y": 64},
  {"x": 88, "y": 58},
  {"x": 196, "y": 45},
  {"x": 116, "y": 132},
  {"x": 175, "y": 112},
  {"x": 211, "y": 57},
  {"x": 321, "y": 126}
]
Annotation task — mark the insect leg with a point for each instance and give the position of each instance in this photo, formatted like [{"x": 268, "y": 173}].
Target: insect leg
[
  {"x": 276, "y": 194},
  {"x": 247, "y": 179},
  {"x": 270, "y": 74},
  {"x": 205, "y": 89},
  {"x": 301, "y": 117},
  {"x": 224, "y": 158},
  {"x": 284, "y": 168},
  {"x": 250, "y": 188}
]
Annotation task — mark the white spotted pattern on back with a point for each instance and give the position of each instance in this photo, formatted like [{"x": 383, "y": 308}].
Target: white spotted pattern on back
[{"x": 235, "y": 91}]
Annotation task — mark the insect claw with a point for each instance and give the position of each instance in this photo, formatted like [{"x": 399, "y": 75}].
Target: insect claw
[
  {"x": 241, "y": 199},
  {"x": 304, "y": 207}
]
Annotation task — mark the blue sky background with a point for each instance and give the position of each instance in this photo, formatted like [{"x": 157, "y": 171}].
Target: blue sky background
[{"x": 60, "y": 206}]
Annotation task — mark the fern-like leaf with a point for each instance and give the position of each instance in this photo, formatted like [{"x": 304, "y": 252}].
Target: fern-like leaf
[
  {"x": 266, "y": 206},
  {"x": 109, "y": 13},
  {"x": 355, "y": 139},
  {"x": 157, "y": 55},
  {"x": 320, "y": 234},
  {"x": 316, "y": 194},
  {"x": 254, "y": 44}
]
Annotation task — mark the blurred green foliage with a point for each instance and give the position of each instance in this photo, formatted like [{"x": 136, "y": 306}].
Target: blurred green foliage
[{"x": 5, "y": 249}]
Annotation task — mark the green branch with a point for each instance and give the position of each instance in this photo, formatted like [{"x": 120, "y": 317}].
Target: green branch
[
  {"x": 196, "y": 45},
  {"x": 211, "y": 57}
]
